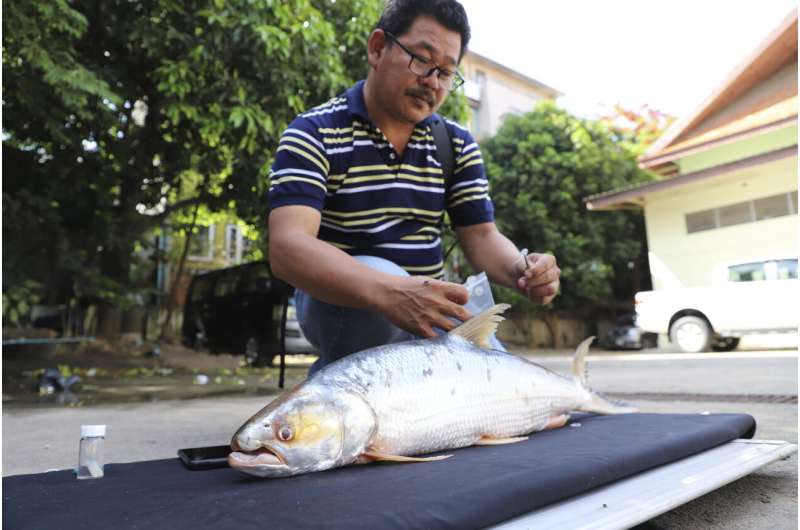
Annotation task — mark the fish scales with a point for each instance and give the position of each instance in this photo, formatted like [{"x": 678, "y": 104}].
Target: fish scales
[{"x": 447, "y": 393}]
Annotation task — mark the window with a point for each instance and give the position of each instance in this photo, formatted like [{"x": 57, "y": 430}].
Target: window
[
  {"x": 787, "y": 269},
  {"x": 258, "y": 279},
  {"x": 226, "y": 285},
  {"x": 747, "y": 272},
  {"x": 200, "y": 289},
  {"x": 699, "y": 221},
  {"x": 233, "y": 243},
  {"x": 201, "y": 243},
  {"x": 735, "y": 214},
  {"x": 774, "y": 206},
  {"x": 247, "y": 245},
  {"x": 474, "y": 122},
  {"x": 782, "y": 269},
  {"x": 743, "y": 212}
]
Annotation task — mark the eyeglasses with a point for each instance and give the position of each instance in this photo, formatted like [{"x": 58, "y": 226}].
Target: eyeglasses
[{"x": 448, "y": 79}]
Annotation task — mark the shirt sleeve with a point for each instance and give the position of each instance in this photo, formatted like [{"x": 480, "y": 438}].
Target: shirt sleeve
[
  {"x": 299, "y": 173},
  {"x": 468, "y": 201}
]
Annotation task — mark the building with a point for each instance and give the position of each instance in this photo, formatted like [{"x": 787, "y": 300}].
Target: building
[
  {"x": 728, "y": 172},
  {"x": 495, "y": 91},
  {"x": 215, "y": 246}
]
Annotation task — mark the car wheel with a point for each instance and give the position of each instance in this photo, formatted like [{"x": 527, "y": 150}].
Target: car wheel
[
  {"x": 253, "y": 355},
  {"x": 725, "y": 343},
  {"x": 691, "y": 334}
]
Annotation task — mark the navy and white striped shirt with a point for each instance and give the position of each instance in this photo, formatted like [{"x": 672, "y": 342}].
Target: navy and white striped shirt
[{"x": 373, "y": 202}]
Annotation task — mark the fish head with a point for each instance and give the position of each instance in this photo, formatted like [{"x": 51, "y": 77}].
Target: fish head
[{"x": 308, "y": 429}]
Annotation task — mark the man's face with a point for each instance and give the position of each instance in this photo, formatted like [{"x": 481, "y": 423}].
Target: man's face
[{"x": 404, "y": 95}]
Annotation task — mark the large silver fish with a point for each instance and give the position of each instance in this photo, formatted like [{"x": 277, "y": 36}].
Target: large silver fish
[{"x": 410, "y": 398}]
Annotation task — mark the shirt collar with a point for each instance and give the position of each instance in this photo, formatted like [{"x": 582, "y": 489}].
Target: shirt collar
[{"x": 358, "y": 106}]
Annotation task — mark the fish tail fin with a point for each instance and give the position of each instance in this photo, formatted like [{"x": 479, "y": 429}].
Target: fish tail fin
[
  {"x": 601, "y": 405},
  {"x": 597, "y": 402},
  {"x": 479, "y": 329}
]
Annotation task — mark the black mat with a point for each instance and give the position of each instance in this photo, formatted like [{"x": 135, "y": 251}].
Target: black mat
[{"x": 478, "y": 486}]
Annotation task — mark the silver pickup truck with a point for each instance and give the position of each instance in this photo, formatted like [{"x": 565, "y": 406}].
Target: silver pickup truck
[{"x": 744, "y": 297}]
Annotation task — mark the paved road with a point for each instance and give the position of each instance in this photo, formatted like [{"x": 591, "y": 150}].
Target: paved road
[
  {"x": 758, "y": 372},
  {"x": 38, "y": 439}
]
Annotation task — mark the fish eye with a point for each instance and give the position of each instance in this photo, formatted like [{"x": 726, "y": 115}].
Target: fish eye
[{"x": 285, "y": 433}]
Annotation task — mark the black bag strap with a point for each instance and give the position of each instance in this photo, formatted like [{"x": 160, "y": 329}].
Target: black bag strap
[
  {"x": 444, "y": 146},
  {"x": 446, "y": 154}
]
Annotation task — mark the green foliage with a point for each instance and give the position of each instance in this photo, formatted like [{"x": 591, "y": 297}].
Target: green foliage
[
  {"x": 542, "y": 166},
  {"x": 119, "y": 114},
  {"x": 18, "y": 300},
  {"x": 43, "y": 72},
  {"x": 456, "y": 107}
]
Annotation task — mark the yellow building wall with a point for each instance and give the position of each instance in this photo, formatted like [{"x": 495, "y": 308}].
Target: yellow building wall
[
  {"x": 755, "y": 145},
  {"x": 680, "y": 259}
]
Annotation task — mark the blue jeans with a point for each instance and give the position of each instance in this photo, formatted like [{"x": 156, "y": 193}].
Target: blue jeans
[{"x": 339, "y": 331}]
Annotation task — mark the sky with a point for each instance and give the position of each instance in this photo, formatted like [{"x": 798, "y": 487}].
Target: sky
[{"x": 669, "y": 55}]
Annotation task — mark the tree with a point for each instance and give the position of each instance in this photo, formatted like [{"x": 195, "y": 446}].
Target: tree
[
  {"x": 118, "y": 114},
  {"x": 542, "y": 165},
  {"x": 636, "y": 129}
]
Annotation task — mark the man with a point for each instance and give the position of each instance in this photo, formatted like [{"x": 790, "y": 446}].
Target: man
[{"x": 357, "y": 197}]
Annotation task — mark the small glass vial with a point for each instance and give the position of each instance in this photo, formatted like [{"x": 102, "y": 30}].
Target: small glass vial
[{"x": 90, "y": 452}]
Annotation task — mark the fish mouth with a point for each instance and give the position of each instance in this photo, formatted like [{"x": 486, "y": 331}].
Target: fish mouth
[{"x": 260, "y": 458}]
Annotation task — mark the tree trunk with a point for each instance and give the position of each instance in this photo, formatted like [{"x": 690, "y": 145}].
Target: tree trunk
[
  {"x": 179, "y": 272},
  {"x": 109, "y": 320},
  {"x": 553, "y": 327},
  {"x": 116, "y": 264}
]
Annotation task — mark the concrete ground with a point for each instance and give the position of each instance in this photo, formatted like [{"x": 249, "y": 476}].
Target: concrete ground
[{"x": 37, "y": 439}]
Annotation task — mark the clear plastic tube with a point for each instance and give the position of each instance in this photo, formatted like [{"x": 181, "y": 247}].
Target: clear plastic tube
[{"x": 90, "y": 452}]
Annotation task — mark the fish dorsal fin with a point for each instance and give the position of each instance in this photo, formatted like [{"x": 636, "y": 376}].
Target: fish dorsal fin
[
  {"x": 579, "y": 361},
  {"x": 479, "y": 328}
]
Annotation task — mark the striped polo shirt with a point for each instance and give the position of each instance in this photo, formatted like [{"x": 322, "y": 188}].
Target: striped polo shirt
[{"x": 373, "y": 201}]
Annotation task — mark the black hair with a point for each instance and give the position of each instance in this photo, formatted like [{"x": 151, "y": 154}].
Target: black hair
[{"x": 399, "y": 15}]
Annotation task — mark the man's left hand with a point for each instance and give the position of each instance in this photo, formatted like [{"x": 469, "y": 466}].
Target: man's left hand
[{"x": 540, "y": 281}]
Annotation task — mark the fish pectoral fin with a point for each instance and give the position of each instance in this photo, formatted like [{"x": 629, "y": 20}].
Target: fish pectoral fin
[
  {"x": 488, "y": 440},
  {"x": 556, "y": 422},
  {"x": 375, "y": 456}
]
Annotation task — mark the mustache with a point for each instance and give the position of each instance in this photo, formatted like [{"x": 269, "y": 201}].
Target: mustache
[{"x": 421, "y": 93}]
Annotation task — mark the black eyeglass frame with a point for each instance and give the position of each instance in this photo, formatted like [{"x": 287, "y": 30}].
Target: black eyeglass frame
[{"x": 458, "y": 80}]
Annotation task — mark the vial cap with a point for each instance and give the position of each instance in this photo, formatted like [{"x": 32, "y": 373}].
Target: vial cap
[{"x": 92, "y": 431}]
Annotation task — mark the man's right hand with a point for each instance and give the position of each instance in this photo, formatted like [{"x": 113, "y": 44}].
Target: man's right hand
[{"x": 418, "y": 304}]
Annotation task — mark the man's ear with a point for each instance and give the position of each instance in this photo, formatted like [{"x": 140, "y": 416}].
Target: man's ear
[{"x": 376, "y": 47}]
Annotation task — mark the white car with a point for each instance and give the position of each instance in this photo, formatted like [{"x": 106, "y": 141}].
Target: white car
[{"x": 747, "y": 296}]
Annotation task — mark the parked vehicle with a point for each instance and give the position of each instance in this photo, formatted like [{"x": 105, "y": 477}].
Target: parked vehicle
[
  {"x": 625, "y": 334},
  {"x": 238, "y": 310},
  {"x": 749, "y": 296},
  {"x": 296, "y": 341}
]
